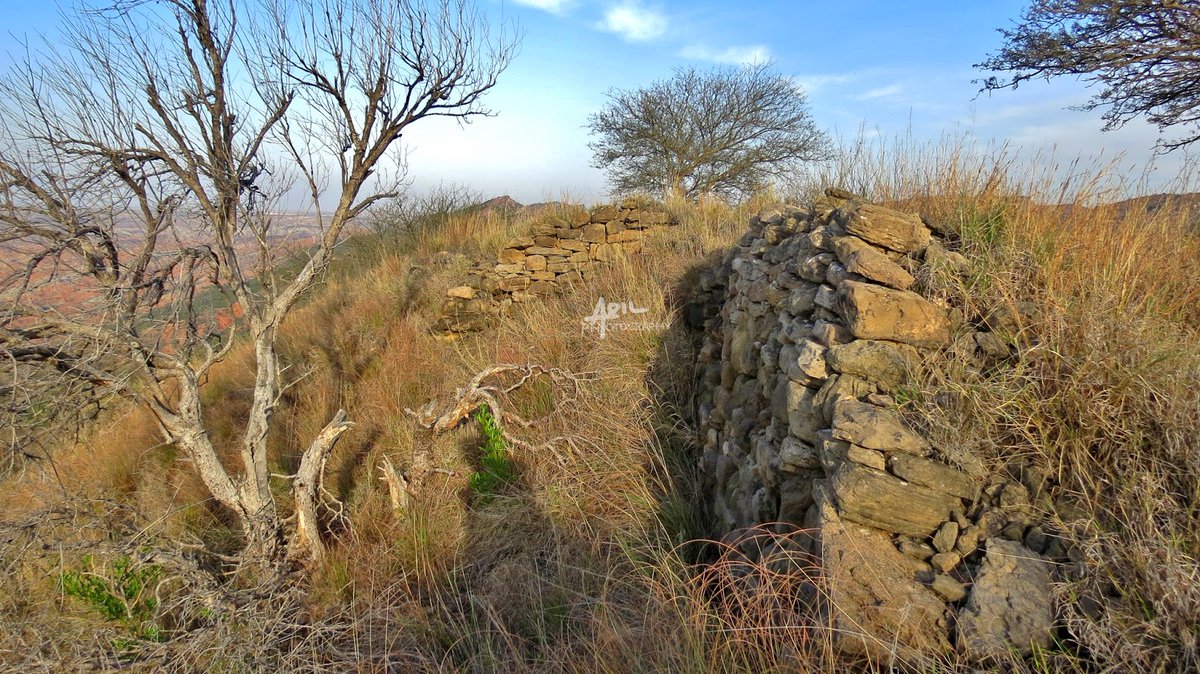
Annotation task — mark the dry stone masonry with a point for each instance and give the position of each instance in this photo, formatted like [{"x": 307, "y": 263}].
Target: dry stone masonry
[
  {"x": 814, "y": 325},
  {"x": 558, "y": 251}
]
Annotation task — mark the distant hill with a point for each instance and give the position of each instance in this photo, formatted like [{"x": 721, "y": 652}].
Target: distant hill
[
  {"x": 501, "y": 203},
  {"x": 1187, "y": 205}
]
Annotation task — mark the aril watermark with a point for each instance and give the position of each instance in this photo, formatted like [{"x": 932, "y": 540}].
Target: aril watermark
[{"x": 617, "y": 316}]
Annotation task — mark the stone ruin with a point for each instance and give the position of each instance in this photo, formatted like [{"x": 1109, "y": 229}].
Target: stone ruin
[
  {"x": 812, "y": 326},
  {"x": 560, "y": 250}
]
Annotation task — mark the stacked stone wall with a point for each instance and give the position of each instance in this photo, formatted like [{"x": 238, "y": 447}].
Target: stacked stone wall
[
  {"x": 814, "y": 326},
  {"x": 556, "y": 252}
]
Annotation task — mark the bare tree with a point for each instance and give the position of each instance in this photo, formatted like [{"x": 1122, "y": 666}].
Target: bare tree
[
  {"x": 725, "y": 131},
  {"x": 1144, "y": 55},
  {"x": 142, "y": 165}
]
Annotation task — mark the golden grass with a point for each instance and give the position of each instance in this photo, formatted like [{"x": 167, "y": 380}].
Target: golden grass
[{"x": 584, "y": 563}]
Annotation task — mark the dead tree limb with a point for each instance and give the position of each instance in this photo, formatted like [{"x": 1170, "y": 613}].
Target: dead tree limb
[{"x": 488, "y": 387}]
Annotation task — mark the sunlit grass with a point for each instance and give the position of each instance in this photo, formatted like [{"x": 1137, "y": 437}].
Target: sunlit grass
[{"x": 586, "y": 561}]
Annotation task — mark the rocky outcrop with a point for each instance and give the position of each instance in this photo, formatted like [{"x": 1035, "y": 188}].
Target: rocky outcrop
[
  {"x": 813, "y": 324},
  {"x": 558, "y": 251},
  {"x": 1007, "y": 609}
]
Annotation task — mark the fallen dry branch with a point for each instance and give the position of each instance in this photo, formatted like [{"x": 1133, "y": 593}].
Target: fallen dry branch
[
  {"x": 397, "y": 484},
  {"x": 477, "y": 393},
  {"x": 488, "y": 388}
]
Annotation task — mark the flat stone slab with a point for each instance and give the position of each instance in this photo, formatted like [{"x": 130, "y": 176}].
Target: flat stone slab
[
  {"x": 885, "y": 363},
  {"x": 873, "y": 427},
  {"x": 889, "y": 228},
  {"x": 876, "y": 312},
  {"x": 933, "y": 474},
  {"x": 877, "y": 499},
  {"x": 876, "y": 606}
]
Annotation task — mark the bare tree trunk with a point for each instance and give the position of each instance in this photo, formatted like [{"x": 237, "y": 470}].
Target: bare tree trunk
[
  {"x": 306, "y": 487},
  {"x": 190, "y": 119}
]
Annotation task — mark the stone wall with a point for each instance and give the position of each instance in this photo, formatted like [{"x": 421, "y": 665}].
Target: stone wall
[
  {"x": 813, "y": 326},
  {"x": 558, "y": 251}
]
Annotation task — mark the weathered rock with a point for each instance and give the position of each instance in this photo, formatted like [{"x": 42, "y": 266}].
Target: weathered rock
[
  {"x": 826, "y": 297},
  {"x": 628, "y": 235},
  {"x": 602, "y": 214},
  {"x": 840, "y": 387},
  {"x": 915, "y": 549},
  {"x": 604, "y": 252},
  {"x": 885, "y": 363},
  {"x": 577, "y": 245},
  {"x": 945, "y": 561},
  {"x": 547, "y": 251},
  {"x": 535, "y": 262},
  {"x": 831, "y": 451},
  {"x": 946, "y": 537},
  {"x": 796, "y": 456},
  {"x": 831, "y": 334},
  {"x": 894, "y": 230},
  {"x": 1011, "y": 605},
  {"x": 875, "y": 605},
  {"x": 810, "y": 361},
  {"x": 512, "y": 255},
  {"x": 594, "y": 233},
  {"x": 804, "y": 417},
  {"x": 932, "y": 474},
  {"x": 875, "y": 428},
  {"x": 872, "y": 264},
  {"x": 875, "y": 312},
  {"x": 813, "y": 268},
  {"x": 867, "y": 457},
  {"x": 951, "y": 590},
  {"x": 462, "y": 292},
  {"x": 874, "y": 498},
  {"x": 820, "y": 239},
  {"x": 514, "y": 283},
  {"x": 519, "y": 242},
  {"x": 968, "y": 540}
]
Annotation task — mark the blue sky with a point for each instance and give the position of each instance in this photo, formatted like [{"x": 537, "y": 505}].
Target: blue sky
[{"x": 884, "y": 67}]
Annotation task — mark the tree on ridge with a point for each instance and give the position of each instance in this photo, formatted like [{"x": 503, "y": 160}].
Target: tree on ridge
[{"x": 726, "y": 131}]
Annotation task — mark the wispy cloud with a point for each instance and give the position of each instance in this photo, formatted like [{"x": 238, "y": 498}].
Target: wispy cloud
[
  {"x": 812, "y": 83},
  {"x": 552, "y": 6},
  {"x": 634, "y": 22},
  {"x": 890, "y": 91},
  {"x": 748, "y": 55}
]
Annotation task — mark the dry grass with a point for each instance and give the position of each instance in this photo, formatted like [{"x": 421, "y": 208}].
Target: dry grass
[
  {"x": 1102, "y": 405},
  {"x": 584, "y": 563}
]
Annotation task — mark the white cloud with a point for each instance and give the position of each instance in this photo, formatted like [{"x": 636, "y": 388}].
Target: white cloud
[
  {"x": 634, "y": 22},
  {"x": 748, "y": 55},
  {"x": 811, "y": 83},
  {"x": 890, "y": 91},
  {"x": 552, "y": 6}
]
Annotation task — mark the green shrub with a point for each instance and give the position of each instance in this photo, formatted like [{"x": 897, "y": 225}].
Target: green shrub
[
  {"x": 124, "y": 594},
  {"x": 496, "y": 469}
]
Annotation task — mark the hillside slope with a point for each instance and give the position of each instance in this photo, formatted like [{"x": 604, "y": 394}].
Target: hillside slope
[{"x": 582, "y": 551}]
